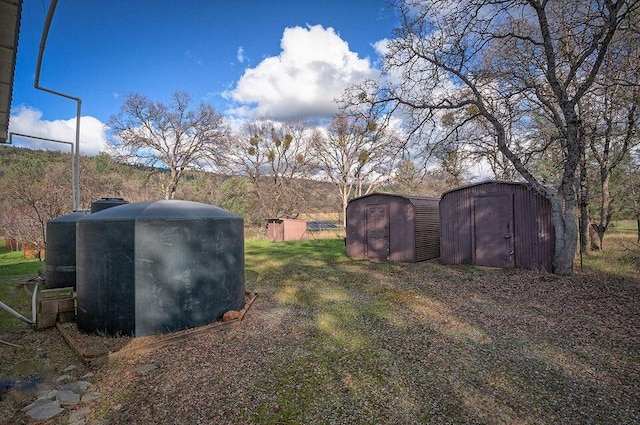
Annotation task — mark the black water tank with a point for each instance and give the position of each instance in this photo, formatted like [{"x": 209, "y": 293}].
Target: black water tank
[
  {"x": 159, "y": 266},
  {"x": 60, "y": 262},
  {"x": 104, "y": 203}
]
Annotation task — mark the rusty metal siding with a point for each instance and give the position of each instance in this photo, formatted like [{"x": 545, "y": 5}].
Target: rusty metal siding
[
  {"x": 534, "y": 230},
  {"x": 413, "y": 226},
  {"x": 455, "y": 228},
  {"x": 401, "y": 235},
  {"x": 533, "y": 234},
  {"x": 355, "y": 229}
]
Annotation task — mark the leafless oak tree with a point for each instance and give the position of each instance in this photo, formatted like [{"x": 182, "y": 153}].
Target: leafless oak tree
[
  {"x": 34, "y": 193},
  {"x": 611, "y": 119},
  {"x": 357, "y": 154},
  {"x": 507, "y": 64},
  {"x": 171, "y": 135},
  {"x": 274, "y": 157}
]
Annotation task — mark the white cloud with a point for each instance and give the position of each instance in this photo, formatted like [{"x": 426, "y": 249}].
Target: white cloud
[
  {"x": 240, "y": 54},
  {"x": 312, "y": 70},
  {"x": 381, "y": 46},
  {"x": 29, "y": 121}
]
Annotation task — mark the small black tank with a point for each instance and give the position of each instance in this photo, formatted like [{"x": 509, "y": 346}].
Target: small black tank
[{"x": 60, "y": 262}]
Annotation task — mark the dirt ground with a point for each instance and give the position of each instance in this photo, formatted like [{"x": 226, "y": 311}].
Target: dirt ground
[{"x": 355, "y": 342}]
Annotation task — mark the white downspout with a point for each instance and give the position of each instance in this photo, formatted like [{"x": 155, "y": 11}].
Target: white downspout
[{"x": 36, "y": 84}]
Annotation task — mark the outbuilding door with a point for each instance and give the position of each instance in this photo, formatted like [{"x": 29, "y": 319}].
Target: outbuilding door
[
  {"x": 377, "y": 227},
  {"x": 493, "y": 231},
  {"x": 276, "y": 230}
]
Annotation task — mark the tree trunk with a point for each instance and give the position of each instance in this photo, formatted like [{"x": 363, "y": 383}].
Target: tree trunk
[
  {"x": 585, "y": 223},
  {"x": 345, "y": 202},
  {"x": 605, "y": 204},
  {"x": 563, "y": 210},
  {"x": 172, "y": 186},
  {"x": 596, "y": 243}
]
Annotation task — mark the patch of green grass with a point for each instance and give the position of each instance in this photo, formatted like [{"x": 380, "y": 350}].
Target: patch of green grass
[
  {"x": 13, "y": 263},
  {"x": 620, "y": 256},
  {"x": 623, "y": 226},
  {"x": 13, "y": 269},
  {"x": 321, "y": 250}
]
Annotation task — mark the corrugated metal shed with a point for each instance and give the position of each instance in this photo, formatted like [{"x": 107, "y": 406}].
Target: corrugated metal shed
[
  {"x": 386, "y": 226},
  {"x": 496, "y": 224},
  {"x": 286, "y": 229}
]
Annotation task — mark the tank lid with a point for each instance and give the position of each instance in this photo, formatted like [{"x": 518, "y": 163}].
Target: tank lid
[{"x": 165, "y": 209}]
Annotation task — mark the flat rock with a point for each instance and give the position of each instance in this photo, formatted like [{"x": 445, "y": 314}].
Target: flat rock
[
  {"x": 87, "y": 375},
  {"x": 77, "y": 387},
  {"x": 69, "y": 368},
  {"x": 45, "y": 411},
  {"x": 86, "y": 397},
  {"x": 68, "y": 398},
  {"x": 63, "y": 378},
  {"x": 37, "y": 403},
  {"x": 51, "y": 395}
]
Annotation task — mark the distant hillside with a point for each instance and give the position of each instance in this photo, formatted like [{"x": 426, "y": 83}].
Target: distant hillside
[{"x": 102, "y": 176}]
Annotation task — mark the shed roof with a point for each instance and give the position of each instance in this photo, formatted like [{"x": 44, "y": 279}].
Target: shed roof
[
  {"x": 10, "y": 11},
  {"x": 407, "y": 197},
  {"x": 525, "y": 184}
]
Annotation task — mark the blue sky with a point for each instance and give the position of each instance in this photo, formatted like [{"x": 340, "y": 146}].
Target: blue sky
[{"x": 279, "y": 59}]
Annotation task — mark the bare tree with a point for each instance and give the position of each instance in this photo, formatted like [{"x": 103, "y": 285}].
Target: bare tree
[
  {"x": 408, "y": 179},
  {"x": 357, "y": 154},
  {"x": 171, "y": 136},
  {"x": 507, "y": 64},
  {"x": 34, "y": 192},
  {"x": 611, "y": 120},
  {"x": 274, "y": 157}
]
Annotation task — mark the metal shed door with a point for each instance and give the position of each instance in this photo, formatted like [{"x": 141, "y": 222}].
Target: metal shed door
[
  {"x": 493, "y": 231},
  {"x": 377, "y": 224}
]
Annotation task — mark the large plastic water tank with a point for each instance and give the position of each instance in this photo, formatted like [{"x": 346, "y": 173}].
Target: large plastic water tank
[
  {"x": 60, "y": 262},
  {"x": 160, "y": 266},
  {"x": 104, "y": 203}
]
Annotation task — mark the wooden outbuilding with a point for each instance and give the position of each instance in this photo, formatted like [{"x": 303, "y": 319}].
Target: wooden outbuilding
[
  {"x": 385, "y": 226},
  {"x": 497, "y": 224},
  {"x": 286, "y": 229}
]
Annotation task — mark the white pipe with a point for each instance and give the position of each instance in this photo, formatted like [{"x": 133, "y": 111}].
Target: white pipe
[
  {"x": 33, "y": 302},
  {"x": 15, "y": 313},
  {"x": 36, "y": 84}
]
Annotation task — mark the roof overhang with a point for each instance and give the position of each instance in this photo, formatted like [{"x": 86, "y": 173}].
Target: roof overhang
[{"x": 10, "y": 11}]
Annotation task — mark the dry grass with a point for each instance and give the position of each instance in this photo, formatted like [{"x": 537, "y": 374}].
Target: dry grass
[{"x": 336, "y": 341}]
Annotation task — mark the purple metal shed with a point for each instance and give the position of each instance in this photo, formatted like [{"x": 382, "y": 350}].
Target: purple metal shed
[
  {"x": 496, "y": 224},
  {"x": 400, "y": 228}
]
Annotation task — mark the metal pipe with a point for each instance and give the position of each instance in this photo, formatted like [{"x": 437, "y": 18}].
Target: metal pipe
[
  {"x": 34, "y": 298},
  {"x": 73, "y": 180},
  {"x": 36, "y": 84},
  {"x": 15, "y": 313}
]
